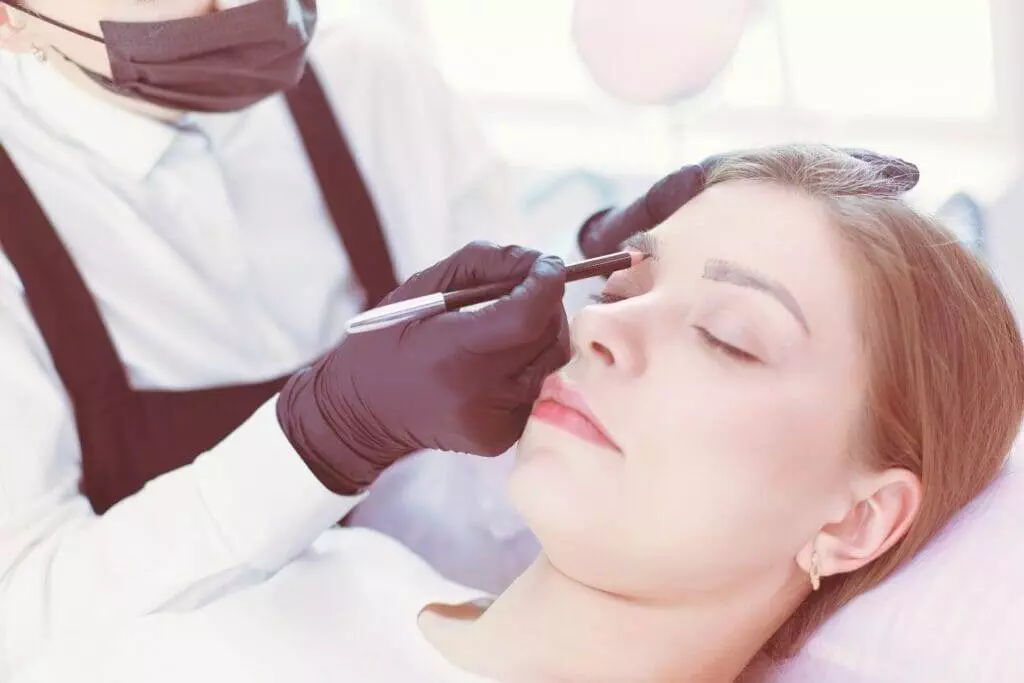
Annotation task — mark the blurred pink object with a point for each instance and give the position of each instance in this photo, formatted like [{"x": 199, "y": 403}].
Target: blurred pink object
[{"x": 657, "y": 51}]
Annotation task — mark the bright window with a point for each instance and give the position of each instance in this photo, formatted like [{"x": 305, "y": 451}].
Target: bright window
[
  {"x": 905, "y": 58},
  {"x": 912, "y": 77},
  {"x": 871, "y": 57}
]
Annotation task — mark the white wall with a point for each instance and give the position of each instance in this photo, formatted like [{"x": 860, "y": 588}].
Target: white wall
[
  {"x": 1006, "y": 212},
  {"x": 546, "y": 100}
]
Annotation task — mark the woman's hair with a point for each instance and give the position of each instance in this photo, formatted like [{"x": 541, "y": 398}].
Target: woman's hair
[{"x": 945, "y": 391}]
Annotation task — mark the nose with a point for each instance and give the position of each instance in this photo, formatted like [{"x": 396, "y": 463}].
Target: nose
[{"x": 609, "y": 336}]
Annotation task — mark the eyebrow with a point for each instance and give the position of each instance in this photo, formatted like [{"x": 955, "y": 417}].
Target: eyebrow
[
  {"x": 643, "y": 242},
  {"x": 727, "y": 272},
  {"x": 735, "y": 274}
]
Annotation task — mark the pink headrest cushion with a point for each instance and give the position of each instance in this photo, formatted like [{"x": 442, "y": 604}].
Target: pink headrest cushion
[{"x": 955, "y": 614}]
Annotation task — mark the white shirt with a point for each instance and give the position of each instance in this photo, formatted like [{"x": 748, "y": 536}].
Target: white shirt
[
  {"x": 346, "y": 611},
  {"x": 213, "y": 262}
]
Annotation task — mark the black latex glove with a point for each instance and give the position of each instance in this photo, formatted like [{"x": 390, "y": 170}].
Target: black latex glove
[
  {"x": 462, "y": 381},
  {"x": 904, "y": 174},
  {"x": 606, "y": 230}
]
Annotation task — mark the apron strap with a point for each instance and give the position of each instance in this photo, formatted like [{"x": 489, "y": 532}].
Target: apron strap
[
  {"x": 343, "y": 189},
  {"x": 65, "y": 312},
  {"x": 128, "y": 437}
]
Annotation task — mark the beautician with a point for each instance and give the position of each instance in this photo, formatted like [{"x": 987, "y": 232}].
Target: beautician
[{"x": 185, "y": 225}]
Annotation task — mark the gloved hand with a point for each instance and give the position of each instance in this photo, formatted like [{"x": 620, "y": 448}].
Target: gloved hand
[
  {"x": 603, "y": 232},
  {"x": 462, "y": 381},
  {"x": 904, "y": 174}
]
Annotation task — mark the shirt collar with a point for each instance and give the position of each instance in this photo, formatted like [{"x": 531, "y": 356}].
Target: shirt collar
[{"x": 126, "y": 140}]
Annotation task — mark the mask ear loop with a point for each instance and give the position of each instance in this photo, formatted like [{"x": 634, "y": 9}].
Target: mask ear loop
[
  {"x": 52, "y": 22},
  {"x": 40, "y": 54}
]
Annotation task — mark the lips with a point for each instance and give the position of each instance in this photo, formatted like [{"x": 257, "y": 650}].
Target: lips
[{"x": 560, "y": 405}]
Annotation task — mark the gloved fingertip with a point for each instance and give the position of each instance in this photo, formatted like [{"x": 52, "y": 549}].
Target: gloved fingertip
[
  {"x": 477, "y": 248},
  {"x": 712, "y": 162},
  {"x": 905, "y": 174},
  {"x": 687, "y": 182},
  {"x": 590, "y": 237},
  {"x": 546, "y": 271},
  {"x": 483, "y": 250},
  {"x": 694, "y": 174},
  {"x": 673, "y": 192},
  {"x": 605, "y": 231},
  {"x": 517, "y": 253},
  {"x": 549, "y": 264}
]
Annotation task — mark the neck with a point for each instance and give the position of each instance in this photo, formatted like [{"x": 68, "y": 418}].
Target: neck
[
  {"x": 74, "y": 74},
  {"x": 548, "y": 627}
]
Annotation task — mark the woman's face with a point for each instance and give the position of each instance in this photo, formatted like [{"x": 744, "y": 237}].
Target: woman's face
[{"x": 727, "y": 376}]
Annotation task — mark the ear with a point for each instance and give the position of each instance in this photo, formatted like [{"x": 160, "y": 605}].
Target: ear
[
  {"x": 885, "y": 505},
  {"x": 13, "y": 36}
]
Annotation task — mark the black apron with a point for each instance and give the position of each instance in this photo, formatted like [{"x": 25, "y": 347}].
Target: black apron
[{"x": 129, "y": 437}]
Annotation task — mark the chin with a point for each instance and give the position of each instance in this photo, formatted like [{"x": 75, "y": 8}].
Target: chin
[
  {"x": 552, "y": 463},
  {"x": 569, "y": 493}
]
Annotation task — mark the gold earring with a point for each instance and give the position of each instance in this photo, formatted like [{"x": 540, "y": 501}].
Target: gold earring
[
  {"x": 39, "y": 54},
  {"x": 815, "y": 571}
]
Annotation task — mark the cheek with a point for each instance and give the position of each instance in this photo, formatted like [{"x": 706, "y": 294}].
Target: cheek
[
  {"x": 727, "y": 478},
  {"x": 720, "y": 479},
  {"x": 749, "y": 429}
]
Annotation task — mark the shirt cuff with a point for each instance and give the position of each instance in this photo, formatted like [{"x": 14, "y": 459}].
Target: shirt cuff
[{"x": 266, "y": 502}]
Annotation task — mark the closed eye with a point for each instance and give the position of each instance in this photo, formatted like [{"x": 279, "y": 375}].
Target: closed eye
[
  {"x": 706, "y": 337},
  {"x": 728, "y": 349},
  {"x": 607, "y": 298}
]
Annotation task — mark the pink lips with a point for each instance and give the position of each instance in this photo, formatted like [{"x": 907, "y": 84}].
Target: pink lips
[{"x": 562, "y": 406}]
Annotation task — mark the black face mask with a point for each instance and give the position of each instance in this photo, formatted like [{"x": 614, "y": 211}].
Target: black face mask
[{"x": 219, "y": 62}]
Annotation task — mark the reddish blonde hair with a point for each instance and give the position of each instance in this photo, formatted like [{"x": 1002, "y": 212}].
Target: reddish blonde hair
[{"x": 946, "y": 389}]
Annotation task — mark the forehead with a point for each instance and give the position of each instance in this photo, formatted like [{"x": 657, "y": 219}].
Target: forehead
[{"x": 775, "y": 230}]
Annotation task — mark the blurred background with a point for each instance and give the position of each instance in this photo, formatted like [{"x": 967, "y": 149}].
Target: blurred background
[{"x": 940, "y": 83}]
